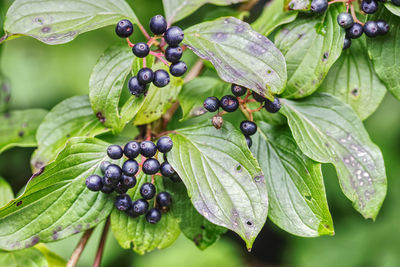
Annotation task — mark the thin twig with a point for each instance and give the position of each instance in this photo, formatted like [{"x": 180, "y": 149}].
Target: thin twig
[
  {"x": 102, "y": 243},
  {"x": 159, "y": 57},
  {"x": 143, "y": 30},
  {"x": 353, "y": 14},
  {"x": 130, "y": 43},
  {"x": 79, "y": 248}
]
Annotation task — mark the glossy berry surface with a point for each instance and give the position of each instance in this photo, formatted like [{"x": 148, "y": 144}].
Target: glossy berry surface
[
  {"x": 173, "y": 53},
  {"x": 94, "y": 183},
  {"x": 145, "y": 76},
  {"x": 383, "y": 27},
  {"x": 178, "y": 69},
  {"x": 148, "y": 149},
  {"x": 107, "y": 189},
  {"x": 135, "y": 87},
  {"x": 371, "y": 29},
  {"x": 211, "y": 104},
  {"x": 130, "y": 167},
  {"x": 123, "y": 202},
  {"x": 121, "y": 188},
  {"x": 164, "y": 144},
  {"x": 258, "y": 97},
  {"x": 124, "y": 28},
  {"x": 345, "y": 20},
  {"x": 113, "y": 173},
  {"x": 175, "y": 178},
  {"x": 238, "y": 90},
  {"x": 248, "y": 127},
  {"x": 354, "y": 31},
  {"x": 104, "y": 165},
  {"x": 369, "y": 6},
  {"x": 141, "y": 50},
  {"x": 161, "y": 78},
  {"x": 128, "y": 181},
  {"x": 115, "y": 152},
  {"x": 396, "y": 2},
  {"x": 147, "y": 190},
  {"x": 347, "y": 43},
  {"x": 274, "y": 106},
  {"x": 158, "y": 25},
  {"x": 319, "y": 6},
  {"x": 248, "y": 141},
  {"x": 153, "y": 216},
  {"x": 132, "y": 149},
  {"x": 166, "y": 169},
  {"x": 174, "y": 35},
  {"x": 229, "y": 103},
  {"x": 139, "y": 207},
  {"x": 151, "y": 166},
  {"x": 164, "y": 199}
]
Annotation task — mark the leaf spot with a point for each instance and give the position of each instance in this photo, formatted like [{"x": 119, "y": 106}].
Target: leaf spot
[
  {"x": 240, "y": 28},
  {"x": 46, "y": 29},
  {"x": 325, "y": 57},
  {"x": 249, "y": 223},
  {"x": 21, "y": 133},
  {"x": 259, "y": 178},
  {"x": 355, "y": 92},
  {"x": 19, "y": 203},
  {"x": 239, "y": 168},
  {"x": 220, "y": 36},
  {"x": 100, "y": 116}
]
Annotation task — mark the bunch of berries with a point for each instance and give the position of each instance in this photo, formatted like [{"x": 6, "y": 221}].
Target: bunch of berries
[
  {"x": 172, "y": 36},
  {"x": 121, "y": 179}
]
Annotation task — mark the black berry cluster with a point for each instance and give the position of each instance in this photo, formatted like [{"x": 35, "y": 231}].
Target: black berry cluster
[
  {"x": 172, "y": 36},
  {"x": 121, "y": 179}
]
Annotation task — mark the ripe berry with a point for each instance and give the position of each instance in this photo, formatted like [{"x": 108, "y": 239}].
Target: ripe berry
[
  {"x": 132, "y": 149},
  {"x": 347, "y": 43},
  {"x": 166, "y": 169},
  {"x": 135, "y": 87},
  {"x": 164, "y": 144},
  {"x": 273, "y": 107},
  {"x": 130, "y": 167},
  {"x": 174, "y": 35},
  {"x": 248, "y": 127},
  {"x": 248, "y": 141},
  {"x": 141, "y": 50},
  {"x": 139, "y": 207},
  {"x": 107, "y": 189},
  {"x": 161, "y": 78},
  {"x": 383, "y": 27},
  {"x": 121, "y": 188},
  {"x": 123, "y": 202},
  {"x": 151, "y": 166},
  {"x": 229, "y": 103},
  {"x": 128, "y": 181},
  {"x": 145, "y": 75},
  {"x": 178, "y": 69},
  {"x": 158, "y": 25},
  {"x": 108, "y": 182},
  {"x": 94, "y": 183},
  {"x": 124, "y": 28},
  {"x": 164, "y": 199},
  {"x": 104, "y": 165},
  {"x": 258, "y": 97},
  {"x": 153, "y": 216},
  {"x": 371, "y": 28},
  {"x": 354, "y": 31},
  {"x": 173, "y": 53},
  {"x": 148, "y": 149},
  {"x": 238, "y": 90},
  {"x": 113, "y": 173},
  {"x": 115, "y": 152},
  {"x": 147, "y": 190},
  {"x": 369, "y": 6},
  {"x": 345, "y": 20},
  {"x": 396, "y": 2},
  {"x": 211, "y": 104},
  {"x": 319, "y": 6},
  {"x": 175, "y": 178}
]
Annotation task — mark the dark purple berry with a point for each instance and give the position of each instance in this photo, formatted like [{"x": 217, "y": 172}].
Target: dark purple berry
[
  {"x": 396, "y": 2},
  {"x": 107, "y": 189},
  {"x": 115, "y": 152},
  {"x": 173, "y": 53},
  {"x": 347, "y": 43},
  {"x": 258, "y": 97},
  {"x": 123, "y": 202},
  {"x": 164, "y": 144},
  {"x": 354, "y": 31},
  {"x": 141, "y": 50},
  {"x": 161, "y": 78},
  {"x": 151, "y": 166},
  {"x": 135, "y": 87},
  {"x": 248, "y": 141},
  {"x": 113, "y": 173},
  {"x": 178, "y": 69},
  {"x": 273, "y": 107},
  {"x": 124, "y": 28},
  {"x": 94, "y": 183},
  {"x": 132, "y": 149},
  {"x": 175, "y": 178},
  {"x": 158, "y": 25},
  {"x": 104, "y": 165},
  {"x": 145, "y": 76},
  {"x": 238, "y": 90},
  {"x": 248, "y": 127},
  {"x": 121, "y": 188},
  {"x": 174, "y": 35},
  {"x": 383, "y": 27},
  {"x": 139, "y": 207},
  {"x": 128, "y": 181},
  {"x": 153, "y": 216},
  {"x": 369, "y": 6},
  {"x": 229, "y": 103},
  {"x": 371, "y": 29},
  {"x": 164, "y": 199},
  {"x": 345, "y": 20},
  {"x": 211, "y": 104},
  {"x": 147, "y": 190},
  {"x": 319, "y": 6},
  {"x": 148, "y": 149},
  {"x": 130, "y": 167},
  {"x": 166, "y": 169}
]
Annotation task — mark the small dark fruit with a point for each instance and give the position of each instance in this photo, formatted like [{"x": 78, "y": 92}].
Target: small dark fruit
[
  {"x": 319, "y": 6},
  {"x": 164, "y": 199},
  {"x": 139, "y": 207},
  {"x": 123, "y": 202},
  {"x": 107, "y": 189},
  {"x": 94, "y": 183},
  {"x": 371, "y": 29},
  {"x": 104, "y": 165},
  {"x": 151, "y": 166},
  {"x": 345, "y": 20},
  {"x": 130, "y": 167},
  {"x": 113, "y": 173},
  {"x": 178, "y": 69},
  {"x": 164, "y": 144},
  {"x": 383, "y": 27},
  {"x": 258, "y": 97},
  {"x": 174, "y": 35},
  {"x": 147, "y": 190},
  {"x": 274, "y": 106},
  {"x": 166, "y": 169},
  {"x": 347, "y": 43},
  {"x": 248, "y": 141},
  {"x": 153, "y": 216},
  {"x": 248, "y": 127},
  {"x": 173, "y": 53},
  {"x": 115, "y": 152},
  {"x": 354, "y": 31},
  {"x": 211, "y": 104},
  {"x": 145, "y": 76},
  {"x": 121, "y": 188},
  {"x": 135, "y": 87},
  {"x": 229, "y": 103},
  {"x": 128, "y": 181},
  {"x": 132, "y": 149},
  {"x": 369, "y": 6},
  {"x": 161, "y": 78},
  {"x": 141, "y": 50},
  {"x": 124, "y": 28},
  {"x": 238, "y": 90},
  {"x": 158, "y": 25},
  {"x": 148, "y": 149}
]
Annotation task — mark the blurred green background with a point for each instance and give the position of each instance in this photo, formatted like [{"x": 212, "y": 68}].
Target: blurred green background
[{"x": 42, "y": 75}]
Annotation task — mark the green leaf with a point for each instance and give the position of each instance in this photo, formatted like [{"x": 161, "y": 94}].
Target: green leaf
[
  {"x": 176, "y": 10},
  {"x": 5, "y": 92},
  {"x": 6, "y": 192},
  {"x": 297, "y": 200},
  {"x": 353, "y": 80},
  {"x": 194, "y": 93},
  {"x": 158, "y": 100},
  {"x": 393, "y": 8},
  {"x": 137, "y": 233},
  {"x": 223, "y": 179},
  {"x": 56, "y": 202},
  {"x": 310, "y": 45},
  {"x": 298, "y": 4},
  {"x": 273, "y": 16},
  {"x": 58, "y": 21},
  {"x": 52, "y": 258},
  {"x": 329, "y": 131},
  {"x": 194, "y": 226},
  {"x": 72, "y": 117},
  {"x": 30, "y": 257},
  {"x": 383, "y": 52},
  {"x": 239, "y": 54},
  {"x": 18, "y": 128}
]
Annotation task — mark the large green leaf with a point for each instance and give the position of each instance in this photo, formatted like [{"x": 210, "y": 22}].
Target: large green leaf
[
  {"x": 239, "y": 54},
  {"x": 18, "y": 128},
  {"x": 6, "y": 193},
  {"x": 383, "y": 52},
  {"x": 71, "y": 118},
  {"x": 5, "y": 91},
  {"x": 30, "y": 257},
  {"x": 59, "y": 21},
  {"x": 224, "y": 181},
  {"x": 353, "y": 80},
  {"x": 178, "y": 9},
  {"x": 56, "y": 202},
  {"x": 137, "y": 233},
  {"x": 310, "y": 45},
  {"x": 329, "y": 131},
  {"x": 52, "y": 258},
  {"x": 393, "y": 8},
  {"x": 296, "y": 192},
  {"x": 273, "y": 16}
]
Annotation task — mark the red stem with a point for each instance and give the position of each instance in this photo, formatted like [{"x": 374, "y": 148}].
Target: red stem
[{"x": 102, "y": 243}]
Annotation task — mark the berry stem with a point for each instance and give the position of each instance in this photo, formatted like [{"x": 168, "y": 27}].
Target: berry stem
[
  {"x": 257, "y": 109},
  {"x": 130, "y": 43},
  {"x": 102, "y": 243},
  {"x": 79, "y": 248},
  {"x": 353, "y": 14},
  {"x": 143, "y": 30},
  {"x": 159, "y": 57},
  {"x": 152, "y": 179},
  {"x": 337, "y": 1},
  {"x": 148, "y": 132},
  {"x": 153, "y": 40},
  {"x": 144, "y": 62}
]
